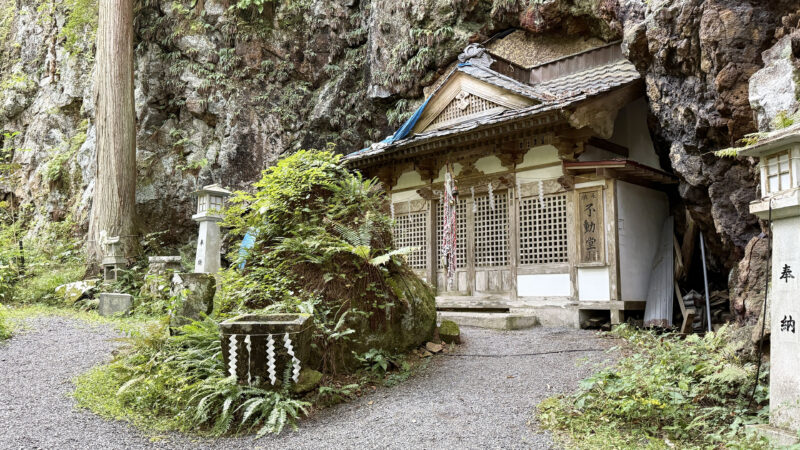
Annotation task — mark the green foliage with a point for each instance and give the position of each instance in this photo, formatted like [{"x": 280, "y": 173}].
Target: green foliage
[
  {"x": 323, "y": 246},
  {"x": 380, "y": 362},
  {"x": 693, "y": 392},
  {"x": 5, "y": 326},
  {"x": 80, "y": 26},
  {"x": 785, "y": 120},
  {"x": 179, "y": 382}
]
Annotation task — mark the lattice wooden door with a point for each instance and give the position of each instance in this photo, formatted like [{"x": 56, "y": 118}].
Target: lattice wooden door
[{"x": 491, "y": 268}]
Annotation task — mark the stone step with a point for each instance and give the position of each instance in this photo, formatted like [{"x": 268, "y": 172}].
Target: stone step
[{"x": 494, "y": 320}]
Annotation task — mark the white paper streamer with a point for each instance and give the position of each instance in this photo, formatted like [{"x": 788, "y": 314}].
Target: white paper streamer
[
  {"x": 391, "y": 208},
  {"x": 287, "y": 342},
  {"x": 232, "y": 355},
  {"x": 491, "y": 196},
  {"x": 519, "y": 191},
  {"x": 273, "y": 378},
  {"x": 249, "y": 352},
  {"x": 541, "y": 194}
]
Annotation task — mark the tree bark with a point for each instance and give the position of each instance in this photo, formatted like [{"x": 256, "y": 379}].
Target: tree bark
[{"x": 114, "y": 202}]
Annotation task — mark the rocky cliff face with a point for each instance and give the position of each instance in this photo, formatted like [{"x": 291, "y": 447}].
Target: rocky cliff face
[{"x": 221, "y": 92}]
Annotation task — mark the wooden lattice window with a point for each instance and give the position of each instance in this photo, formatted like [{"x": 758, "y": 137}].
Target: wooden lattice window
[
  {"x": 461, "y": 233},
  {"x": 779, "y": 175},
  {"x": 410, "y": 230},
  {"x": 491, "y": 231},
  {"x": 464, "y": 104},
  {"x": 543, "y": 229}
]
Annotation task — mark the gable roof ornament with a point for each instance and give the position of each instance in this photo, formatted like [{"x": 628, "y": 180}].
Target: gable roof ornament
[{"x": 475, "y": 55}]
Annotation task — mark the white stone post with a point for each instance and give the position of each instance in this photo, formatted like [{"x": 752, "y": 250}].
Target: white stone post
[
  {"x": 210, "y": 202},
  {"x": 779, "y": 154}
]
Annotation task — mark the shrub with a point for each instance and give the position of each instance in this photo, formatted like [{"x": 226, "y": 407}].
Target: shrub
[
  {"x": 323, "y": 245},
  {"x": 693, "y": 392},
  {"x": 180, "y": 382}
]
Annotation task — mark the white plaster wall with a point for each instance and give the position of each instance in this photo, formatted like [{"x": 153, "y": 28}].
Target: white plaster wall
[
  {"x": 593, "y": 284},
  {"x": 544, "y": 285},
  {"x": 542, "y": 173},
  {"x": 640, "y": 214},
  {"x": 409, "y": 179},
  {"x": 456, "y": 171},
  {"x": 398, "y": 197},
  {"x": 537, "y": 156},
  {"x": 489, "y": 164},
  {"x": 630, "y": 130}
]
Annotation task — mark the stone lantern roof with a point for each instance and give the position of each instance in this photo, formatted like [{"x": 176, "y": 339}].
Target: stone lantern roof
[{"x": 213, "y": 189}]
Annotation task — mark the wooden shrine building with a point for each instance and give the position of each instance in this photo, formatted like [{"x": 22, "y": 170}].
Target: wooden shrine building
[{"x": 561, "y": 200}]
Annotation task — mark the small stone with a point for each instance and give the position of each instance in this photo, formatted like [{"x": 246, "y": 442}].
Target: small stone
[
  {"x": 433, "y": 347},
  {"x": 425, "y": 354},
  {"x": 308, "y": 381},
  {"x": 111, "y": 304},
  {"x": 449, "y": 332}
]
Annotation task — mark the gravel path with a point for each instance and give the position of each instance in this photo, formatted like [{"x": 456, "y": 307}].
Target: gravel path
[{"x": 456, "y": 402}]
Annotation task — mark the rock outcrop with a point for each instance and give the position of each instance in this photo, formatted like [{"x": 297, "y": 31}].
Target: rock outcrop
[{"x": 222, "y": 92}]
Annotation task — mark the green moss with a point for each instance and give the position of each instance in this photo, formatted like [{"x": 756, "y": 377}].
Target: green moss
[
  {"x": 449, "y": 328},
  {"x": 80, "y": 29}
]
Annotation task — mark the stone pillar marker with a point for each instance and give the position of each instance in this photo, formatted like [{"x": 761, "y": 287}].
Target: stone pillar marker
[
  {"x": 210, "y": 202},
  {"x": 779, "y": 164}
]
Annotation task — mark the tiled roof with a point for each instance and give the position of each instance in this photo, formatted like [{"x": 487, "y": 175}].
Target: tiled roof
[
  {"x": 556, "y": 94},
  {"x": 591, "y": 81},
  {"x": 497, "y": 79}
]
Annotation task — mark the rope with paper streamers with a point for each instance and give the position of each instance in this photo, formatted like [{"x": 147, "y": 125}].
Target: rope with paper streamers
[
  {"x": 249, "y": 343},
  {"x": 273, "y": 378},
  {"x": 232, "y": 355},
  {"x": 450, "y": 231},
  {"x": 287, "y": 342}
]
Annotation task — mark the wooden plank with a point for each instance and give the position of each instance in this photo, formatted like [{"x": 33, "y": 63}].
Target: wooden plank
[
  {"x": 590, "y": 228},
  {"x": 572, "y": 244},
  {"x": 688, "y": 244},
  {"x": 612, "y": 239},
  {"x": 433, "y": 246},
  {"x": 513, "y": 241}
]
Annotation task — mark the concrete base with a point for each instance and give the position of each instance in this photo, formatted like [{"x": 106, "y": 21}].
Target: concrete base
[
  {"x": 497, "y": 321},
  {"x": 111, "y": 304},
  {"x": 776, "y": 436}
]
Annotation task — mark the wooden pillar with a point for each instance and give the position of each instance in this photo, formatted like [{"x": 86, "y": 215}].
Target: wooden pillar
[
  {"x": 513, "y": 235},
  {"x": 612, "y": 237},
  {"x": 433, "y": 246}
]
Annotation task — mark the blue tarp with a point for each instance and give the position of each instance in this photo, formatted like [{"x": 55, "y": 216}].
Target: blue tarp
[{"x": 247, "y": 243}]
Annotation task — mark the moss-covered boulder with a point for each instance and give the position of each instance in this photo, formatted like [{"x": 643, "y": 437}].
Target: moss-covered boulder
[{"x": 449, "y": 332}]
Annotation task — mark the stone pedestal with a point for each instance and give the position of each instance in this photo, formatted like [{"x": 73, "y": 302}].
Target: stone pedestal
[
  {"x": 159, "y": 275},
  {"x": 111, "y": 304},
  {"x": 194, "y": 297},
  {"x": 208, "y": 246},
  {"x": 259, "y": 349}
]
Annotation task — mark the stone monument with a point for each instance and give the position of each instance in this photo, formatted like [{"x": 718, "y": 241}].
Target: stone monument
[
  {"x": 779, "y": 154},
  {"x": 210, "y": 201},
  {"x": 113, "y": 260}
]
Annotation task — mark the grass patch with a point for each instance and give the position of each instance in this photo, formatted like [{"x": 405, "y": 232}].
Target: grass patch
[
  {"x": 668, "y": 392},
  {"x": 40, "y": 286}
]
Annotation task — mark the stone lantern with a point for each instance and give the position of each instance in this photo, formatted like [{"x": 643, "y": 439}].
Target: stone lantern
[
  {"x": 113, "y": 259},
  {"x": 779, "y": 162},
  {"x": 210, "y": 203}
]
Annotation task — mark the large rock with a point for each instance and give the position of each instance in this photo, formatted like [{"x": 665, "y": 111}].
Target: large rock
[
  {"x": 193, "y": 295},
  {"x": 72, "y": 292},
  {"x": 773, "y": 89}
]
